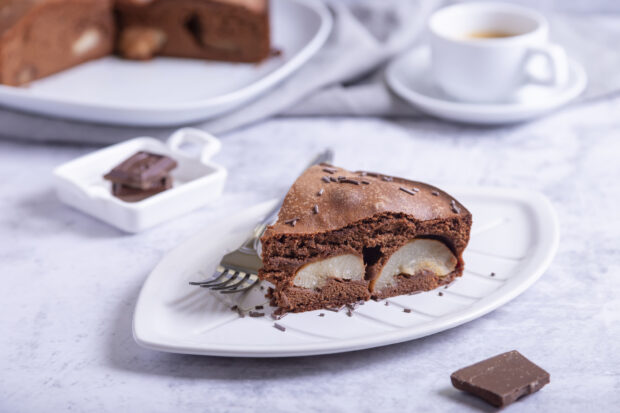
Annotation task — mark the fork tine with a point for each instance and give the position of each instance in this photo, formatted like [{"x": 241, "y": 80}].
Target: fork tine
[
  {"x": 231, "y": 281},
  {"x": 231, "y": 276},
  {"x": 241, "y": 277},
  {"x": 219, "y": 273},
  {"x": 253, "y": 281}
]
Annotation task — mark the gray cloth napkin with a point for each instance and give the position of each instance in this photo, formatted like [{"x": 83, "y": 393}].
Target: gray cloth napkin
[{"x": 346, "y": 76}]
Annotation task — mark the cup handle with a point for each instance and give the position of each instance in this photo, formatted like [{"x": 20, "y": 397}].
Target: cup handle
[
  {"x": 556, "y": 61},
  {"x": 209, "y": 145}
]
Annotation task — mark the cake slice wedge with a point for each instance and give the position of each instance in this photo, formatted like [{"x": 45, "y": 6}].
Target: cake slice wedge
[{"x": 343, "y": 237}]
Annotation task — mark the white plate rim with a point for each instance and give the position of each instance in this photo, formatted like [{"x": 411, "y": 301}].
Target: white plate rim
[
  {"x": 442, "y": 107},
  {"x": 549, "y": 231},
  {"x": 232, "y": 98}
]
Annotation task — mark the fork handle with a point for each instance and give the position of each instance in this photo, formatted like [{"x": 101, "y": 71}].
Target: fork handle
[{"x": 326, "y": 156}]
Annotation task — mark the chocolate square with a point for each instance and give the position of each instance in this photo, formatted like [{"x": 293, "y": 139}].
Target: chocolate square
[
  {"x": 130, "y": 194},
  {"x": 142, "y": 170},
  {"x": 502, "y": 379}
]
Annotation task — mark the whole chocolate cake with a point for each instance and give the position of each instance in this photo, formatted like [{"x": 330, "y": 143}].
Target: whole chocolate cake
[
  {"x": 42, "y": 37},
  {"x": 342, "y": 237}
]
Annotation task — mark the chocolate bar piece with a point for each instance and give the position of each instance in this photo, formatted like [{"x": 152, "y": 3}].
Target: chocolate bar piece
[
  {"x": 502, "y": 379},
  {"x": 142, "y": 170},
  {"x": 130, "y": 194}
]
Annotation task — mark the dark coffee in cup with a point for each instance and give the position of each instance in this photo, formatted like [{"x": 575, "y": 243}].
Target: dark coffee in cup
[{"x": 494, "y": 34}]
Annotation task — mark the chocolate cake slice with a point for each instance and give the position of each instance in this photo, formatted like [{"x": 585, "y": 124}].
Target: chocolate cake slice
[
  {"x": 342, "y": 237},
  {"x": 229, "y": 30},
  {"x": 42, "y": 37}
]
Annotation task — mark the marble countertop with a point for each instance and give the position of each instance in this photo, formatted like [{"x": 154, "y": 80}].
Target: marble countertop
[{"x": 70, "y": 282}]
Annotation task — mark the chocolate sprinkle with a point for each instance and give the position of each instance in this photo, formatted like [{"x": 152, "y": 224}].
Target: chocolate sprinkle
[
  {"x": 406, "y": 190},
  {"x": 292, "y": 222},
  {"x": 234, "y": 308},
  {"x": 279, "y": 327},
  {"x": 350, "y": 312},
  {"x": 387, "y": 303},
  {"x": 492, "y": 274},
  {"x": 315, "y": 209},
  {"x": 435, "y": 193},
  {"x": 330, "y": 170},
  {"x": 349, "y": 181},
  {"x": 322, "y": 315},
  {"x": 277, "y": 316},
  {"x": 258, "y": 307},
  {"x": 365, "y": 182},
  {"x": 407, "y": 310},
  {"x": 325, "y": 179},
  {"x": 256, "y": 314},
  {"x": 414, "y": 189},
  {"x": 275, "y": 52},
  {"x": 331, "y": 178},
  {"x": 320, "y": 192},
  {"x": 440, "y": 293}
]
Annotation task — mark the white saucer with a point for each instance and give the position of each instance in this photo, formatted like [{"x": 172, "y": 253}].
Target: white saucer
[
  {"x": 410, "y": 77},
  {"x": 514, "y": 238}
]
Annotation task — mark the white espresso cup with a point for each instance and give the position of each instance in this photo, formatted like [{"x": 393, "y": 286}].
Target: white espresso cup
[{"x": 484, "y": 52}]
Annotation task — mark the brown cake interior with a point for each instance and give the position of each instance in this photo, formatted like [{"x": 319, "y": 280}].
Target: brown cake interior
[
  {"x": 230, "y": 30},
  {"x": 373, "y": 219},
  {"x": 42, "y": 37}
]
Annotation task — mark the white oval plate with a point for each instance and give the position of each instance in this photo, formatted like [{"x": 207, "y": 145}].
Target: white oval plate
[
  {"x": 168, "y": 91},
  {"x": 515, "y": 236},
  {"x": 410, "y": 77}
]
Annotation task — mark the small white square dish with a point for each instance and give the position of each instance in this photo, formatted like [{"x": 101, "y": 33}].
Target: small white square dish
[{"x": 196, "y": 181}]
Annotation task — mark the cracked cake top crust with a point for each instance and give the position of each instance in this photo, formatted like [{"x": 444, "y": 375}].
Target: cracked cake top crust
[{"x": 325, "y": 198}]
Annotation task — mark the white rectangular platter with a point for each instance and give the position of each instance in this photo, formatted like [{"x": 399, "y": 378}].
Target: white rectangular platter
[{"x": 514, "y": 237}]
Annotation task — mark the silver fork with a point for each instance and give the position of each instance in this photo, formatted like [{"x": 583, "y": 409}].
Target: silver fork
[{"x": 238, "y": 270}]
